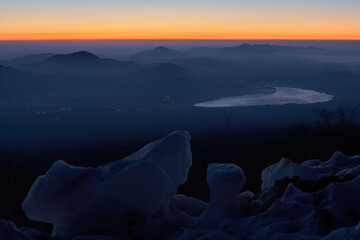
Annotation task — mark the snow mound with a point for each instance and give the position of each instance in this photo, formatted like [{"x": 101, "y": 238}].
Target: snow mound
[
  {"x": 351, "y": 233},
  {"x": 338, "y": 164},
  {"x": 118, "y": 198},
  {"x": 135, "y": 198},
  {"x": 225, "y": 182},
  {"x": 8, "y": 231},
  {"x": 320, "y": 204}
]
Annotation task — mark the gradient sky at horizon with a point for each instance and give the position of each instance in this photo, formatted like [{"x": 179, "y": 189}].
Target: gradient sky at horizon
[{"x": 160, "y": 19}]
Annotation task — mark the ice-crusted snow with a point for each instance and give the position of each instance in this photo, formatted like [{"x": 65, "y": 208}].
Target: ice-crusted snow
[
  {"x": 8, "y": 231},
  {"x": 314, "y": 200},
  {"x": 338, "y": 164},
  {"x": 135, "y": 198},
  {"x": 118, "y": 198},
  {"x": 225, "y": 182},
  {"x": 351, "y": 233}
]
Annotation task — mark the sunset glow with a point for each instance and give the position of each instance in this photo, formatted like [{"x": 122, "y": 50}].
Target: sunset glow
[{"x": 156, "y": 19}]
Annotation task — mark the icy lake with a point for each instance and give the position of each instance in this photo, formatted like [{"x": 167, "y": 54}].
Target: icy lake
[{"x": 280, "y": 95}]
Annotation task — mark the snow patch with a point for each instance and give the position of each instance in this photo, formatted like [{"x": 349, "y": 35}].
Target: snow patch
[
  {"x": 117, "y": 198},
  {"x": 135, "y": 198},
  {"x": 338, "y": 165}
]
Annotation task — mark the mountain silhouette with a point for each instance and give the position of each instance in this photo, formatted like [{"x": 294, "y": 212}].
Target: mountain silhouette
[
  {"x": 165, "y": 70},
  {"x": 76, "y": 57},
  {"x": 81, "y": 63},
  {"x": 28, "y": 59},
  {"x": 250, "y": 50},
  {"x": 159, "y": 54},
  {"x": 264, "y": 49},
  {"x": 203, "y": 51},
  {"x": 199, "y": 63},
  {"x": 7, "y": 73},
  {"x": 14, "y": 83}
]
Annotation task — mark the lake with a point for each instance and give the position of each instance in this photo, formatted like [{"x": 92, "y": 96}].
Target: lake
[{"x": 280, "y": 96}]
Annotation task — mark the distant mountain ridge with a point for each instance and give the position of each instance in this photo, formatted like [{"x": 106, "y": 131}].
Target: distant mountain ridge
[
  {"x": 81, "y": 62},
  {"x": 158, "y": 54},
  {"x": 10, "y": 73},
  {"x": 164, "y": 54},
  {"x": 77, "y": 57},
  {"x": 264, "y": 48},
  {"x": 165, "y": 70},
  {"x": 251, "y": 49},
  {"x": 28, "y": 59}
]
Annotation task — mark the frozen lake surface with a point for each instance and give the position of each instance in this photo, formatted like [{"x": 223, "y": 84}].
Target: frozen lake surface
[{"x": 281, "y": 95}]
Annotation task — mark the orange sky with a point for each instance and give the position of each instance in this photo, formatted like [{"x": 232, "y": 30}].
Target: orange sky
[{"x": 77, "y": 19}]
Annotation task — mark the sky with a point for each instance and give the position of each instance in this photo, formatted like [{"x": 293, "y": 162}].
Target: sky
[{"x": 186, "y": 19}]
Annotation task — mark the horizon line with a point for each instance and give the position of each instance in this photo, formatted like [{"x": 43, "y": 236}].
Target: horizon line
[{"x": 179, "y": 39}]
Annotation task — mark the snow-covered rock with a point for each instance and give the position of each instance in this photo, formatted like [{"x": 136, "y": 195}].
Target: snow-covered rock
[
  {"x": 135, "y": 198},
  {"x": 189, "y": 205},
  {"x": 225, "y": 182},
  {"x": 289, "y": 207},
  {"x": 338, "y": 164},
  {"x": 8, "y": 231},
  {"x": 324, "y": 215},
  {"x": 351, "y": 233},
  {"x": 118, "y": 198}
]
